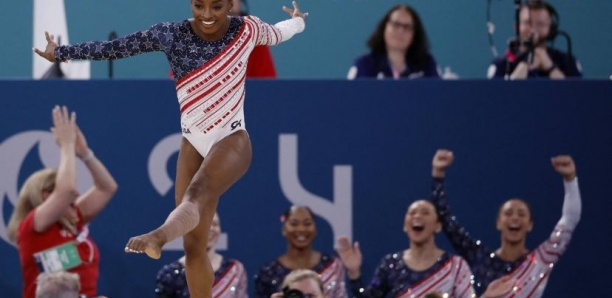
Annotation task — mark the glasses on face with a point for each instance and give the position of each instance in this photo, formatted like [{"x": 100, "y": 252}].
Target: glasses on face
[{"x": 398, "y": 25}]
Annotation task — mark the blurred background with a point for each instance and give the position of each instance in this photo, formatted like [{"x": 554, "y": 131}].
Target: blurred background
[{"x": 335, "y": 35}]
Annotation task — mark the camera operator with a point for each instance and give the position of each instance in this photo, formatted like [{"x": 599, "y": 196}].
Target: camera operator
[
  {"x": 301, "y": 283},
  {"x": 528, "y": 55}
]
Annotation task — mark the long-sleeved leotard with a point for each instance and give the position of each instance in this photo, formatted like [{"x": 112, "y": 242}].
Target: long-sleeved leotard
[
  {"x": 230, "y": 281},
  {"x": 184, "y": 50},
  {"x": 209, "y": 76},
  {"x": 529, "y": 274},
  {"x": 450, "y": 276}
]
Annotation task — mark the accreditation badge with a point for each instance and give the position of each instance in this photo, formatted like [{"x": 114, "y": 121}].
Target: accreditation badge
[{"x": 59, "y": 258}]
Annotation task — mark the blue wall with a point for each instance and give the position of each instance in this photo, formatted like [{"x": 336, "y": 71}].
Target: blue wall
[
  {"x": 502, "y": 133},
  {"x": 336, "y": 33}
]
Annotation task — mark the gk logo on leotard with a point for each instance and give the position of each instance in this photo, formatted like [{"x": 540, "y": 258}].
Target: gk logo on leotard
[
  {"x": 186, "y": 130},
  {"x": 236, "y": 123},
  {"x": 14, "y": 152}
]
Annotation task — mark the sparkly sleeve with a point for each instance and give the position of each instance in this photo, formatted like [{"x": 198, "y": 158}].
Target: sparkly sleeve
[
  {"x": 356, "y": 287},
  {"x": 463, "y": 244},
  {"x": 153, "y": 39},
  {"x": 378, "y": 286},
  {"x": 572, "y": 205},
  {"x": 290, "y": 27},
  {"x": 274, "y": 34},
  {"x": 550, "y": 251},
  {"x": 168, "y": 284},
  {"x": 264, "y": 286}
]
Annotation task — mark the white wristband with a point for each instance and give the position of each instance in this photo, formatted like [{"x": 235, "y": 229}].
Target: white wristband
[{"x": 90, "y": 155}]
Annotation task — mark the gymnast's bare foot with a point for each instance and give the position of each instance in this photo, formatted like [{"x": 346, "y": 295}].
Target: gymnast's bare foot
[{"x": 150, "y": 243}]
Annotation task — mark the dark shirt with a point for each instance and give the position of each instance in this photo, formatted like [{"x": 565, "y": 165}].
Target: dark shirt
[
  {"x": 377, "y": 66},
  {"x": 505, "y": 65}
]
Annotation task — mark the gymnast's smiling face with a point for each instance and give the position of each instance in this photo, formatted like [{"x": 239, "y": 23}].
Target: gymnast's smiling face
[
  {"x": 514, "y": 221},
  {"x": 421, "y": 222},
  {"x": 211, "y": 18}
]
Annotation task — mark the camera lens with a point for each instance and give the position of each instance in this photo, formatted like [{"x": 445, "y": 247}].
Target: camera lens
[{"x": 293, "y": 293}]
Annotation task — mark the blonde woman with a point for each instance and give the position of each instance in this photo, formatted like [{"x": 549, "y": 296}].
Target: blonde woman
[{"x": 51, "y": 217}]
